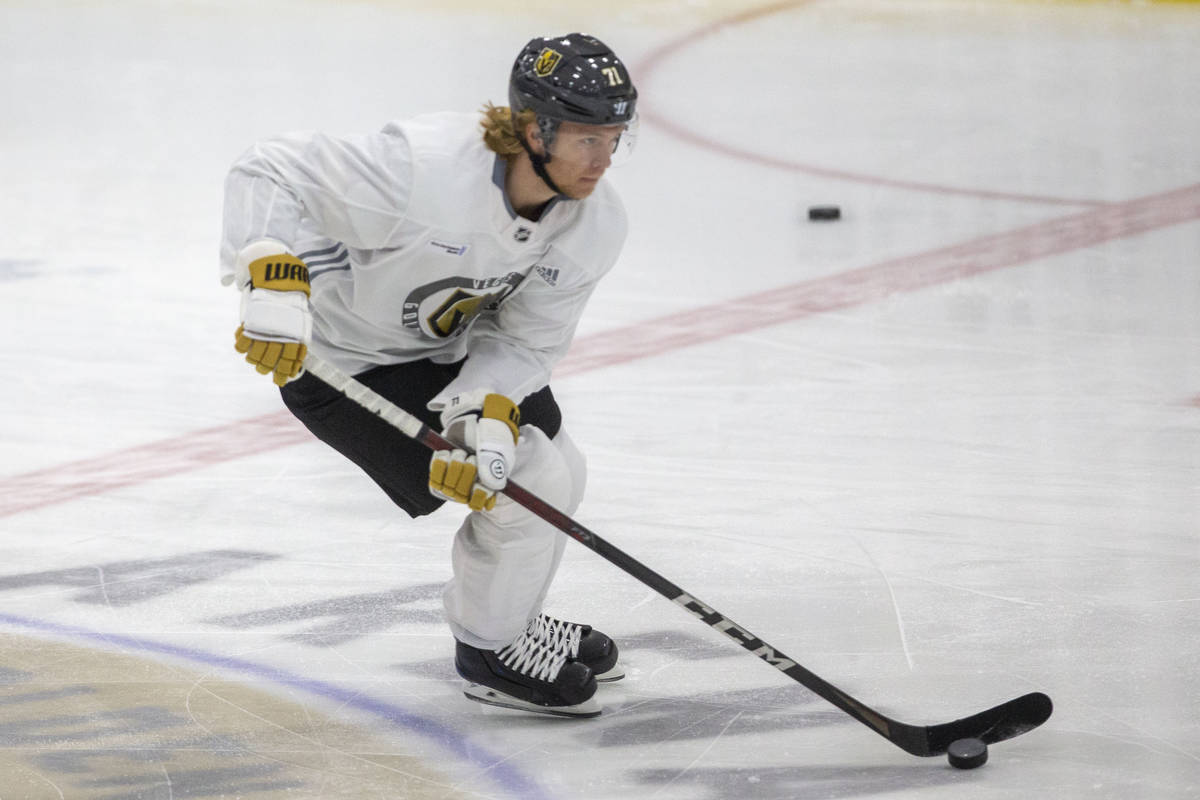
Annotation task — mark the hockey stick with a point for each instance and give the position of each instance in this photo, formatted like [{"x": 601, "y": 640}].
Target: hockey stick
[{"x": 993, "y": 725}]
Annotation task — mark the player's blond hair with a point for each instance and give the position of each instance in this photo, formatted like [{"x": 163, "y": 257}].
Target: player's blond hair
[{"x": 500, "y": 130}]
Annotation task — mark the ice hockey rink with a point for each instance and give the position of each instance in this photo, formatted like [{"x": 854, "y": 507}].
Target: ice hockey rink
[{"x": 942, "y": 452}]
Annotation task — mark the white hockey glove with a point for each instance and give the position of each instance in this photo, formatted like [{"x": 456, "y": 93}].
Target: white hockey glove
[
  {"x": 484, "y": 427},
  {"x": 276, "y": 323}
]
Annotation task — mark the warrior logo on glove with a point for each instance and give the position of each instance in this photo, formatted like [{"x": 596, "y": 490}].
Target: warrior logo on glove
[
  {"x": 498, "y": 470},
  {"x": 283, "y": 274}
]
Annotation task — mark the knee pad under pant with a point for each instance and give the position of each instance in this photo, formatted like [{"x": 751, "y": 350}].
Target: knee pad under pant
[{"x": 505, "y": 559}]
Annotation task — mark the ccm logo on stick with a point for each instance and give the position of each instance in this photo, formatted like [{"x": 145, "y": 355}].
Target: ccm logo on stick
[{"x": 734, "y": 631}]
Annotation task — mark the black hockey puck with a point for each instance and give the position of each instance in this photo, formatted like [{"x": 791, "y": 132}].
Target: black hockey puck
[
  {"x": 967, "y": 753},
  {"x": 824, "y": 212}
]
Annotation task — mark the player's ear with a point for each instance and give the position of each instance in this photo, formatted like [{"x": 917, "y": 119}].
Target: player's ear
[{"x": 533, "y": 135}]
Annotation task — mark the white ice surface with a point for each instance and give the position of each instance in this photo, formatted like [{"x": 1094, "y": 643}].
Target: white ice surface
[{"x": 936, "y": 497}]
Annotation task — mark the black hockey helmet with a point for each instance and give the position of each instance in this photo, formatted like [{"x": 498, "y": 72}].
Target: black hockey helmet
[{"x": 573, "y": 78}]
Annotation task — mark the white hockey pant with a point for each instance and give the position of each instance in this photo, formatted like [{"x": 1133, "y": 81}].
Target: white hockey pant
[{"x": 505, "y": 559}]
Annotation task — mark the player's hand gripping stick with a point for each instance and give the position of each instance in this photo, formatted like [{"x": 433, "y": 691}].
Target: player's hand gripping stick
[{"x": 485, "y": 428}]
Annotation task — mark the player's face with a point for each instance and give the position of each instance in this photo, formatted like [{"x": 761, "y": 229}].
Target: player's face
[{"x": 580, "y": 156}]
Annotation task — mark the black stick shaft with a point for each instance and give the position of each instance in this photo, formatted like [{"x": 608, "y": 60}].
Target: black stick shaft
[{"x": 702, "y": 611}]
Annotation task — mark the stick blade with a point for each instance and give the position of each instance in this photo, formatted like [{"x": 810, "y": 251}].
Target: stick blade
[{"x": 998, "y": 724}]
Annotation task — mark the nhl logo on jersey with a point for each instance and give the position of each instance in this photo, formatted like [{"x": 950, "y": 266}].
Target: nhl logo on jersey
[
  {"x": 522, "y": 234},
  {"x": 547, "y": 62}
]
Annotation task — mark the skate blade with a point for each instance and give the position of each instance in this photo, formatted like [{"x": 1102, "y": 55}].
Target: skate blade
[
  {"x": 490, "y": 697},
  {"x": 614, "y": 674}
]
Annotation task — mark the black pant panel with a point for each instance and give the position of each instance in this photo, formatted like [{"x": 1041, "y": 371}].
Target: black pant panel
[{"x": 397, "y": 463}]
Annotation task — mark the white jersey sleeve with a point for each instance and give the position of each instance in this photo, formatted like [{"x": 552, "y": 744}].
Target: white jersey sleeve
[{"x": 353, "y": 189}]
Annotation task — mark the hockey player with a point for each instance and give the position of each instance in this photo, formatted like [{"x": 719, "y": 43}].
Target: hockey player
[{"x": 445, "y": 262}]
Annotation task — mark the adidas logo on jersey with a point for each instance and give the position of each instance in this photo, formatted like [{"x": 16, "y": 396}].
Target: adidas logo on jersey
[{"x": 548, "y": 274}]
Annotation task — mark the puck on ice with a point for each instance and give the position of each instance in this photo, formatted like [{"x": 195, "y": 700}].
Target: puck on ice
[
  {"x": 967, "y": 753},
  {"x": 824, "y": 212}
]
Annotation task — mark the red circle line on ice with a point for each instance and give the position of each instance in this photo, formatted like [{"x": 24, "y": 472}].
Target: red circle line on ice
[{"x": 683, "y": 130}]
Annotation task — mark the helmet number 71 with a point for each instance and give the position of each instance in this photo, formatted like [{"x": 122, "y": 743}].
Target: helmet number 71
[{"x": 613, "y": 75}]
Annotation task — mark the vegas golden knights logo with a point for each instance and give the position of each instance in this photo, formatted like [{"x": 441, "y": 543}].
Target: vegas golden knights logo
[
  {"x": 447, "y": 307},
  {"x": 547, "y": 61},
  {"x": 458, "y": 310}
]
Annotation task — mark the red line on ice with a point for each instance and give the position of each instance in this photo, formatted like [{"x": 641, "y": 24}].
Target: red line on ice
[
  {"x": 895, "y": 276},
  {"x": 642, "y": 340},
  {"x": 142, "y": 463}
]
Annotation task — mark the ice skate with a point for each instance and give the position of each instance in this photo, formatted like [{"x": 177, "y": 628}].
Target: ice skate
[
  {"x": 528, "y": 675},
  {"x": 582, "y": 643}
]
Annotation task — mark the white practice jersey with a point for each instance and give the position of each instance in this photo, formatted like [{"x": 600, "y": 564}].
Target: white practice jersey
[{"x": 414, "y": 251}]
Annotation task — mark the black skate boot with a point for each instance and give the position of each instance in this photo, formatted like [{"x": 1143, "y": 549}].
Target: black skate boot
[
  {"x": 528, "y": 676},
  {"x": 582, "y": 643}
]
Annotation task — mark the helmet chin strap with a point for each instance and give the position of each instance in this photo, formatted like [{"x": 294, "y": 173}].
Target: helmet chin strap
[{"x": 539, "y": 167}]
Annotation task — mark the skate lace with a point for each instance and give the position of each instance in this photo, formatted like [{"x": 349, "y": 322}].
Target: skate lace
[
  {"x": 529, "y": 656},
  {"x": 557, "y": 634}
]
